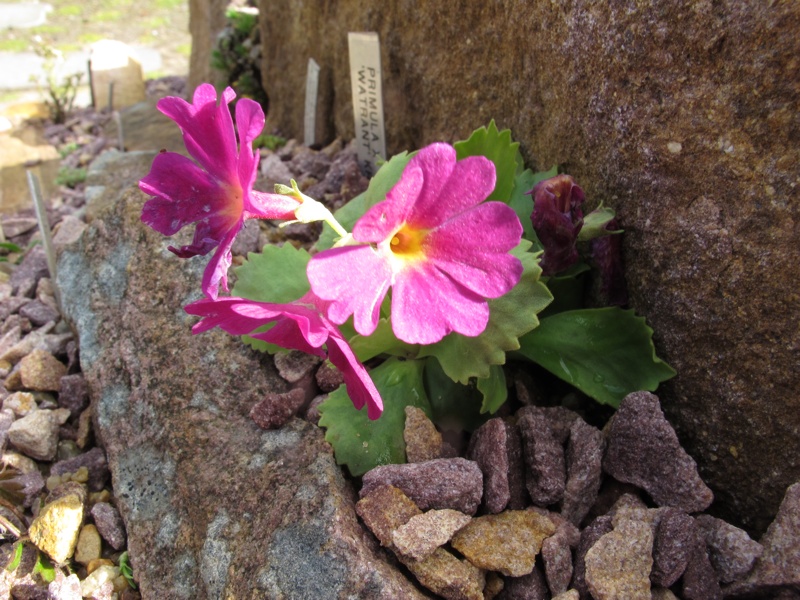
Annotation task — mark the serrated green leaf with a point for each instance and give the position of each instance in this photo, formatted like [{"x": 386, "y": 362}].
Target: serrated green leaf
[
  {"x": 455, "y": 407},
  {"x": 497, "y": 147},
  {"x": 493, "y": 389},
  {"x": 522, "y": 202},
  {"x": 277, "y": 275},
  {"x": 606, "y": 353},
  {"x": 362, "y": 444},
  {"x": 382, "y": 341},
  {"x": 595, "y": 223},
  {"x": 510, "y": 317},
  {"x": 383, "y": 181}
]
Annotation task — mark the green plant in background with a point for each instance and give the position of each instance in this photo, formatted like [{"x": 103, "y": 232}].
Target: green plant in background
[
  {"x": 238, "y": 54},
  {"x": 270, "y": 142},
  {"x": 126, "y": 570},
  {"x": 71, "y": 176},
  {"x": 58, "y": 88}
]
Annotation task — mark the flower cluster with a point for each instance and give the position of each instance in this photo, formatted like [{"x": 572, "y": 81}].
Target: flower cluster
[{"x": 434, "y": 242}]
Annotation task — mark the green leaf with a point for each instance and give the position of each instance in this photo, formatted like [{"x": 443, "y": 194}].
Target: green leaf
[
  {"x": 510, "y": 317},
  {"x": 380, "y": 185},
  {"x": 126, "y": 570},
  {"x": 606, "y": 353},
  {"x": 497, "y": 147},
  {"x": 362, "y": 444},
  {"x": 382, "y": 341},
  {"x": 568, "y": 289},
  {"x": 522, "y": 202},
  {"x": 277, "y": 275},
  {"x": 594, "y": 224},
  {"x": 14, "y": 563},
  {"x": 44, "y": 568},
  {"x": 455, "y": 407},
  {"x": 494, "y": 389}
]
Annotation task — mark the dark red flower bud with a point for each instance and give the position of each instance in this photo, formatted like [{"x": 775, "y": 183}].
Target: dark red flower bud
[
  {"x": 557, "y": 219},
  {"x": 607, "y": 258}
]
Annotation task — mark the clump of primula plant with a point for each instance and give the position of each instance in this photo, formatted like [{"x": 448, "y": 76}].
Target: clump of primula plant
[
  {"x": 455, "y": 259},
  {"x": 58, "y": 87}
]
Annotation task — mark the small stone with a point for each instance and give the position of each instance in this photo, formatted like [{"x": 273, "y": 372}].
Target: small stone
[
  {"x": 444, "y": 574},
  {"x": 488, "y": 447},
  {"x": 517, "y": 491},
  {"x": 312, "y": 412},
  {"x": 21, "y": 403},
  {"x": 384, "y": 509},
  {"x": 84, "y": 429},
  {"x": 544, "y": 457},
  {"x": 294, "y": 365},
  {"x": 589, "y": 536},
  {"x": 584, "y": 462},
  {"x": 673, "y": 546},
  {"x": 31, "y": 486},
  {"x": 422, "y": 534},
  {"x": 557, "y": 559},
  {"x": 644, "y": 450},
  {"x": 94, "y": 460},
  {"x": 328, "y": 377},
  {"x": 17, "y": 461},
  {"x": 618, "y": 564},
  {"x": 102, "y": 577},
  {"x": 494, "y": 585},
  {"x": 41, "y": 371},
  {"x": 32, "y": 341},
  {"x": 779, "y": 564},
  {"x": 730, "y": 549},
  {"x": 14, "y": 226},
  {"x": 36, "y": 434},
  {"x": 93, "y": 565},
  {"x": 64, "y": 588},
  {"x": 73, "y": 394},
  {"x": 39, "y": 313},
  {"x": 28, "y": 273},
  {"x": 699, "y": 580},
  {"x": 662, "y": 594},
  {"x": 55, "y": 529},
  {"x": 89, "y": 545},
  {"x": 567, "y": 595},
  {"x": 274, "y": 170},
  {"x": 275, "y": 410},
  {"x": 423, "y": 441},
  {"x": 110, "y": 524},
  {"x": 455, "y": 483},
  {"x": 507, "y": 542},
  {"x": 528, "y": 587}
]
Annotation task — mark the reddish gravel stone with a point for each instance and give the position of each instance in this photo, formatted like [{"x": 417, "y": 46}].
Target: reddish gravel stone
[
  {"x": 593, "y": 532},
  {"x": 328, "y": 377},
  {"x": 544, "y": 457},
  {"x": 528, "y": 587},
  {"x": 109, "y": 524},
  {"x": 73, "y": 394},
  {"x": 488, "y": 447},
  {"x": 673, "y": 546},
  {"x": 455, "y": 483},
  {"x": 557, "y": 558},
  {"x": 584, "y": 460},
  {"x": 38, "y": 313},
  {"x": 94, "y": 460},
  {"x": 730, "y": 549},
  {"x": 275, "y": 410},
  {"x": 700, "y": 580},
  {"x": 644, "y": 450},
  {"x": 517, "y": 492},
  {"x": 423, "y": 533}
]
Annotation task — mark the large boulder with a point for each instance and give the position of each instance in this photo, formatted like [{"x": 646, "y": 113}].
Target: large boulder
[
  {"x": 684, "y": 117},
  {"x": 214, "y": 506}
]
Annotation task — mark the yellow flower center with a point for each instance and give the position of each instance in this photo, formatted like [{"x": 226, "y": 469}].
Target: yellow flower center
[{"x": 407, "y": 243}]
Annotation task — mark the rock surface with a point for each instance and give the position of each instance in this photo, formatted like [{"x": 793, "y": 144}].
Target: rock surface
[
  {"x": 230, "y": 510},
  {"x": 682, "y": 117}
]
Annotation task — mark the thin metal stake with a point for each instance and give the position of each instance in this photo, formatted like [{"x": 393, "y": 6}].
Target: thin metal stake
[{"x": 44, "y": 228}]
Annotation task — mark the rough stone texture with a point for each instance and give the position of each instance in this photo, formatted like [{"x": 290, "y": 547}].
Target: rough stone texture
[
  {"x": 95, "y": 462},
  {"x": 384, "y": 509},
  {"x": 517, "y": 492},
  {"x": 618, "y": 564},
  {"x": 730, "y": 549},
  {"x": 423, "y": 440},
  {"x": 55, "y": 529},
  {"x": 683, "y": 117},
  {"x": 675, "y": 535},
  {"x": 528, "y": 587},
  {"x": 110, "y": 524},
  {"x": 41, "y": 371},
  {"x": 36, "y": 434},
  {"x": 644, "y": 450},
  {"x": 488, "y": 447},
  {"x": 507, "y": 542},
  {"x": 584, "y": 460},
  {"x": 230, "y": 510},
  {"x": 699, "y": 581},
  {"x": 454, "y": 483},
  {"x": 589, "y": 536},
  {"x": 544, "y": 457},
  {"x": 447, "y": 576},
  {"x": 424, "y": 533},
  {"x": 557, "y": 558}
]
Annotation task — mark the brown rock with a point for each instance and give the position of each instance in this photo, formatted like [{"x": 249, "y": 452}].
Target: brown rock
[
  {"x": 444, "y": 574},
  {"x": 644, "y": 450},
  {"x": 673, "y": 546},
  {"x": 730, "y": 549},
  {"x": 589, "y": 536},
  {"x": 89, "y": 545},
  {"x": 41, "y": 371},
  {"x": 618, "y": 564},
  {"x": 109, "y": 524},
  {"x": 700, "y": 161},
  {"x": 423, "y": 441},
  {"x": 384, "y": 509},
  {"x": 422, "y": 534},
  {"x": 507, "y": 542},
  {"x": 454, "y": 483}
]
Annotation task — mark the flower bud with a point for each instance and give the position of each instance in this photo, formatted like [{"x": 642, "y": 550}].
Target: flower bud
[{"x": 557, "y": 219}]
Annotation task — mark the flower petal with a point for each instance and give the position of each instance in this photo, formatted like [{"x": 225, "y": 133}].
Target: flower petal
[
  {"x": 216, "y": 272},
  {"x": 207, "y": 129},
  {"x": 385, "y": 217},
  {"x": 427, "y": 305},
  {"x": 473, "y": 249},
  {"x": 249, "y": 124},
  {"x": 262, "y": 205},
  {"x": 355, "y": 280},
  {"x": 469, "y": 182},
  {"x": 360, "y": 386}
]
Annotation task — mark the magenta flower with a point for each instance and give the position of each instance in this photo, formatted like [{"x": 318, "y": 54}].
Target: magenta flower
[
  {"x": 441, "y": 249},
  {"x": 298, "y": 326},
  {"x": 218, "y": 194},
  {"x": 557, "y": 219}
]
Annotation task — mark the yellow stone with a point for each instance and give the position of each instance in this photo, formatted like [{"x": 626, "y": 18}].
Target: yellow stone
[
  {"x": 55, "y": 529},
  {"x": 89, "y": 545}
]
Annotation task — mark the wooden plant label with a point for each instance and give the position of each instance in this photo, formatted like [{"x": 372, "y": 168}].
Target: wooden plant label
[
  {"x": 312, "y": 91},
  {"x": 365, "y": 79}
]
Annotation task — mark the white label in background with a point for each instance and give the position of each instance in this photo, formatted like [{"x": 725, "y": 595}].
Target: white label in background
[
  {"x": 312, "y": 90},
  {"x": 365, "y": 78}
]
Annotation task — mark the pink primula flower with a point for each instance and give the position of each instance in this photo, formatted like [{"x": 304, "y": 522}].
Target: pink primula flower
[
  {"x": 298, "y": 326},
  {"x": 435, "y": 242},
  {"x": 218, "y": 194}
]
